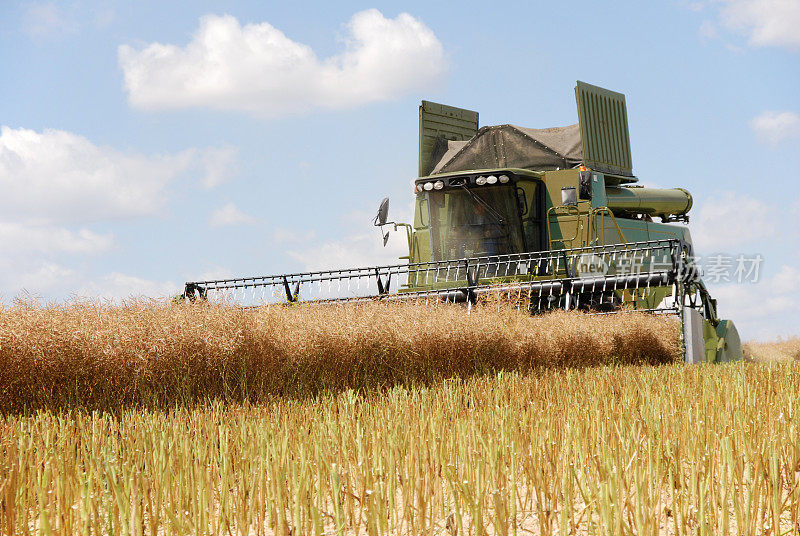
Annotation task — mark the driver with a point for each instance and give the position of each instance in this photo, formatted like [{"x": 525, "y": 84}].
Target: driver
[{"x": 485, "y": 229}]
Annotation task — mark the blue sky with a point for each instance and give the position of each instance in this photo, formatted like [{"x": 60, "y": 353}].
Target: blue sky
[{"x": 150, "y": 143}]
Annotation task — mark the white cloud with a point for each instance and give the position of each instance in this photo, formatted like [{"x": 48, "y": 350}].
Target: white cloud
[
  {"x": 219, "y": 164},
  {"x": 104, "y": 16},
  {"x": 257, "y": 68},
  {"x": 764, "y": 22},
  {"x": 361, "y": 246},
  {"x": 52, "y": 180},
  {"x": 217, "y": 272},
  {"x": 118, "y": 286},
  {"x": 33, "y": 277},
  {"x": 731, "y": 219},
  {"x": 786, "y": 280},
  {"x": 229, "y": 215},
  {"x": 47, "y": 20},
  {"x": 694, "y": 6},
  {"x": 708, "y": 30},
  {"x": 355, "y": 250},
  {"x": 58, "y": 176},
  {"x": 774, "y": 127},
  {"x": 54, "y": 281},
  {"x": 763, "y": 310},
  {"x": 18, "y": 239},
  {"x": 289, "y": 236}
]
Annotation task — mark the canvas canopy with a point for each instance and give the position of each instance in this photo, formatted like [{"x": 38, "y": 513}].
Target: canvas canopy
[{"x": 509, "y": 146}]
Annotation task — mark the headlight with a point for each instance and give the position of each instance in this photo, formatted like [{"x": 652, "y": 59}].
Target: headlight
[
  {"x": 491, "y": 179},
  {"x": 438, "y": 185},
  {"x": 503, "y": 179},
  {"x": 480, "y": 181},
  {"x": 428, "y": 186}
]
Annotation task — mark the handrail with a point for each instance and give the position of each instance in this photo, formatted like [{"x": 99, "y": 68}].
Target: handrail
[
  {"x": 603, "y": 210},
  {"x": 578, "y": 224}
]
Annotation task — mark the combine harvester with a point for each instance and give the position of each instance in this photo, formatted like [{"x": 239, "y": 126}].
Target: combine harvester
[{"x": 552, "y": 218}]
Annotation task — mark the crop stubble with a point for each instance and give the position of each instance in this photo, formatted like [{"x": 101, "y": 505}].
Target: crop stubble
[{"x": 384, "y": 420}]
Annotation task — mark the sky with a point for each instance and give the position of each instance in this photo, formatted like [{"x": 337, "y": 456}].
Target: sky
[{"x": 145, "y": 144}]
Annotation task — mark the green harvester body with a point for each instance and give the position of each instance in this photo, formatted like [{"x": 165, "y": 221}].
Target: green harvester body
[{"x": 503, "y": 189}]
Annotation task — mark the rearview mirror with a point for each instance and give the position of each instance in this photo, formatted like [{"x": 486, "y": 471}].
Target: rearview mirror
[
  {"x": 569, "y": 196},
  {"x": 585, "y": 185},
  {"x": 383, "y": 213}
]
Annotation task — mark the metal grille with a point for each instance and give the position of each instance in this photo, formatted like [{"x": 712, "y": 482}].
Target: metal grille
[
  {"x": 603, "y": 121},
  {"x": 594, "y": 278},
  {"x": 445, "y": 122}
]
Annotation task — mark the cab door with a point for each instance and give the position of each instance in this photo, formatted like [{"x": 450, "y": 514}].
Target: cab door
[{"x": 530, "y": 195}]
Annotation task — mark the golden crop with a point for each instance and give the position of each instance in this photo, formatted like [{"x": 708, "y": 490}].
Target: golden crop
[
  {"x": 780, "y": 350},
  {"x": 147, "y": 354},
  {"x": 378, "y": 420}
]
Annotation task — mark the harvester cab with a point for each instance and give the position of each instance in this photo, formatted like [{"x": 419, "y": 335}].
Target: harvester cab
[
  {"x": 547, "y": 189},
  {"x": 553, "y": 218}
]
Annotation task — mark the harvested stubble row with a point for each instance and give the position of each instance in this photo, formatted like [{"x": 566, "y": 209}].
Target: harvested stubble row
[
  {"x": 153, "y": 355},
  {"x": 704, "y": 450}
]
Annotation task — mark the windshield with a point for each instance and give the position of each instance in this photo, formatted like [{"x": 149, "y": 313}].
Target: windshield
[{"x": 486, "y": 223}]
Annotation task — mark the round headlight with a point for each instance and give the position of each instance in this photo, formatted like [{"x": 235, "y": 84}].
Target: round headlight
[
  {"x": 480, "y": 181},
  {"x": 491, "y": 179},
  {"x": 438, "y": 185},
  {"x": 428, "y": 186},
  {"x": 503, "y": 179}
]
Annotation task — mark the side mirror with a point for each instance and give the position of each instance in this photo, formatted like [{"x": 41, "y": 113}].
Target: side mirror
[
  {"x": 383, "y": 213},
  {"x": 381, "y": 217},
  {"x": 569, "y": 196},
  {"x": 585, "y": 184}
]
